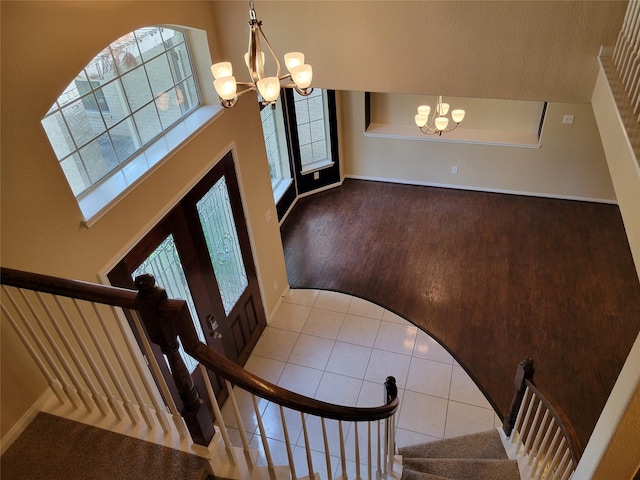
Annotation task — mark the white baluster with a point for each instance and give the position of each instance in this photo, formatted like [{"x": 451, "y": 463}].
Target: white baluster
[
  {"x": 243, "y": 435},
  {"x": 622, "y": 36},
  {"x": 178, "y": 421},
  {"x": 532, "y": 429},
  {"x": 228, "y": 446},
  {"x": 516, "y": 426},
  {"x": 343, "y": 457},
  {"x": 524, "y": 429},
  {"x": 385, "y": 462},
  {"x": 392, "y": 441},
  {"x": 536, "y": 447},
  {"x": 265, "y": 440},
  {"x": 54, "y": 383},
  {"x": 327, "y": 453},
  {"x": 292, "y": 466},
  {"x": 369, "y": 459},
  {"x": 379, "y": 459},
  {"x": 554, "y": 466},
  {"x": 548, "y": 453},
  {"x": 357, "y": 447},
  {"x": 307, "y": 447}
]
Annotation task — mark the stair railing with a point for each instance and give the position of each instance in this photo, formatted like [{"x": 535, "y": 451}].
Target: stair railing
[
  {"x": 78, "y": 336},
  {"x": 539, "y": 433}
]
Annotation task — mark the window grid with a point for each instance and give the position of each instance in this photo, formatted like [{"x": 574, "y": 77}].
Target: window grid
[
  {"x": 90, "y": 144},
  {"x": 311, "y": 119}
]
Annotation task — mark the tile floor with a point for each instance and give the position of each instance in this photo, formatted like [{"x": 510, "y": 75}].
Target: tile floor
[{"x": 340, "y": 349}]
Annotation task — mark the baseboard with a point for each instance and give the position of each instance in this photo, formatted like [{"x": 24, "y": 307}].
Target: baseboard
[
  {"x": 25, "y": 420},
  {"x": 483, "y": 189}
]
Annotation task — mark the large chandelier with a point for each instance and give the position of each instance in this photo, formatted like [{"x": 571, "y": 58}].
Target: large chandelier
[
  {"x": 269, "y": 87},
  {"x": 439, "y": 122}
]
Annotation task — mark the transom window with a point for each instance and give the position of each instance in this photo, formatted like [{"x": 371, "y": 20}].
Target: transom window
[{"x": 126, "y": 97}]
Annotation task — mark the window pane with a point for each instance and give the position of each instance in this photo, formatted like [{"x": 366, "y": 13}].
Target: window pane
[
  {"x": 84, "y": 125},
  {"x": 114, "y": 106},
  {"x": 149, "y": 42},
  {"x": 271, "y": 143},
  {"x": 58, "y": 134},
  {"x": 76, "y": 174},
  {"x": 136, "y": 87},
  {"x": 148, "y": 123},
  {"x": 171, "y": 37},
  {"x": 312, "y": 127},
  {"x": 102, "y": 67},
  {"x": 169, "y": 107},
  {"x": 190, "y": 99},
  {"x": 125, "y": 51},
  {"x": 99, "y": 158},
  {"x": 179, "y": 62},
  {"x": 125, "y": 139},
  {"x": 216, "y": 217},
  {"x": 159, "y": 75}
]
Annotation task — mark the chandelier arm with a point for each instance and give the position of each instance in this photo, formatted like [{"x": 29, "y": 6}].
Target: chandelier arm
[{"x": 273, "y": 54}]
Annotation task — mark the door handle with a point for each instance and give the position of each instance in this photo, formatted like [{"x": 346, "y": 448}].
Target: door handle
[{"x": 213, "y": 325}]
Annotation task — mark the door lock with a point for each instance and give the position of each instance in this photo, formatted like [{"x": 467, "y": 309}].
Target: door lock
[{"x": 213, "y": 325}]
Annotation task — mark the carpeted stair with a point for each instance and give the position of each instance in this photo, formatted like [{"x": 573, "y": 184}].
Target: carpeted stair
[
  {"x": 479, "y": 456},
  {"x": 53, "y": 448}
]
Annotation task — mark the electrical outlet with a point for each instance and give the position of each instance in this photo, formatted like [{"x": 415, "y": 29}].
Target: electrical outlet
[
  {"x": 567, "y": 119},
  {"x": 316, "y": 175},
  {"x": 454, "y": 170}
]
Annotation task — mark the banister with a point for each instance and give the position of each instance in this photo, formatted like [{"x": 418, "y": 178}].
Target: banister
[
  {"x": 91, "y": 292},
  {"x": 562, "y": 420}
]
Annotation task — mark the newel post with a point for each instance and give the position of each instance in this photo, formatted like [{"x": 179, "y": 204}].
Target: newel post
[
  {"x": 524, "y": 372},
  {"x": 162, "y": 332}
]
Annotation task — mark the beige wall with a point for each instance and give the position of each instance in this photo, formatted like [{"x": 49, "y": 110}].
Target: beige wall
[
  {"x": 527, "y": 50},
  {"x": 569, "y": 164},
  {"x": 44, "y": 44}
]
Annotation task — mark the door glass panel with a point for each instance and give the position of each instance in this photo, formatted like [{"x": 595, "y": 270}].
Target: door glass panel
[
  {"x": 216, "y": 217},
  {"x": 164, "y": 264}
]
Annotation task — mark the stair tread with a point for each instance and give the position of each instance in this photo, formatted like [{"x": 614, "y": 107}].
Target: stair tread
[
  {"x": 408, "y": 474},
  {"x": 477, "y": 445},
  {"x": 462, "y": 468}
]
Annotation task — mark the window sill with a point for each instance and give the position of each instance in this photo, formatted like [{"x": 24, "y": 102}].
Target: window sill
[
  {"x": 105, "y": 196},
  {"x": 316, "y": 166},
  {"x": 281, "y": 188}
]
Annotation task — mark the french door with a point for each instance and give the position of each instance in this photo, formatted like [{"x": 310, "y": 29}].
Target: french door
[{"x": 200, "y": 252}]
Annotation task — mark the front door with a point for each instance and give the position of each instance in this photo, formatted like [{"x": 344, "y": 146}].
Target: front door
[{"x": 200, "y": 252}]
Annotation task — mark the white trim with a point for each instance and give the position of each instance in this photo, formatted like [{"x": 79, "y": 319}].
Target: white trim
[
  {"x": 317, "y": 166},
  {"x": 284, "y": 293},
  {"x": 483, "y": 189},
  {"x": 326, "y": 187},
  {"x": 24, "y": 421}
]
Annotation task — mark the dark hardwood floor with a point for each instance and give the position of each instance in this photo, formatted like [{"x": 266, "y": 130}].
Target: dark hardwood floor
[{"x": 493, "y": 277}]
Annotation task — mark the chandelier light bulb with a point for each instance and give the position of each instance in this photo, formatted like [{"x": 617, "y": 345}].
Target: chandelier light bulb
[
  {"x": 457, "y": 115},
  {"x": 421, "y": 120},
  {"x": 424, "y": 110},
  {"x": 302, "y": 76},
  {"x": 221, "y": 69},
  {"x": 269, "y": 88},
  {"x": 260, "y": 64},
  {"x": 226, "y": 87},
  {"x": 293, "y": 59},
  {"x": 443, "y": 109}
]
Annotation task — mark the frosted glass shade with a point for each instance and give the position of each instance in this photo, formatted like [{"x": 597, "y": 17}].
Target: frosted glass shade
[
  {"x": 424, "y": 110},
  {"x": 293, "y": 59},
  {"x": 443, "y": 108},
  {"x": 226, "y": 87},
  {"x": 302, "y": 75},
  {"x": 221, "y": 69},
  {"x": 421, "y": 120},
  {"x": 441, "y": 123},
  {"x": 269, "y": 88},
  {"x": 457, "y": 115}
]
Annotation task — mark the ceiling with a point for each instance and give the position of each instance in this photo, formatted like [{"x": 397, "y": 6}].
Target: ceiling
[{"x": 526, "y": 50}]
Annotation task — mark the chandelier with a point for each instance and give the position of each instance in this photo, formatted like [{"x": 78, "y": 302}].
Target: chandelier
[
  {"x": 268, "y": 87},
  {"x": 439, "y": 122}
]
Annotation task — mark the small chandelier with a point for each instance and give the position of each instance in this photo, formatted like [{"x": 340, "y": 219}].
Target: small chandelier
[
  {"x": 268, "y": 87},
  {"x": 439, "y": 123}
]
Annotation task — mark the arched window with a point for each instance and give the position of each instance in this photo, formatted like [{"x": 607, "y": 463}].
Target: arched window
[{"x": 132, "y": 92}]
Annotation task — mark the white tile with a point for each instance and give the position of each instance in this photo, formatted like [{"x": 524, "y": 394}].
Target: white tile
[
  {"x": 427, "y": 347},
  {"x": 265, "y": 368},
  {"x": 272, "y": 422},
  {"x": 301, "y": 297},
  {"x": 248, "y": 416},
  {"x": 373, "y": 394},
  {"x": 348, "y": 359},
  {"x": 303, "y": 380},
  {"x": 395, "y": 337},
  {"x": 334, "y": 301},
  {"x": 464, "y": 390},
  {"x": 323, "y": 323},
  {"x": 311, "y": 351},
  {"x": 405, "y": 438},
  {"x": 423, "y": 414},
  {"x": 339, "y": 389},
  {"x": 277, "y": 450},
  {"x": 429, "y": 377},
  {"x": 290, "y": 317},
  {"x": 316, "y": 436},
  {"x": 318, "y": 461},
  {"x": 276, "y": 344},
  {"x": 463, "y": 419},
  {"x": 388, "y": 316},
  {"x": 384, "y": 364},
  {"x": 364, "y": 308},
  {"x": 359, "y": 330}
]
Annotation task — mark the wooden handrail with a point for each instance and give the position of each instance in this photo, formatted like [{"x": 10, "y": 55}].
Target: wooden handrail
[
  {"x": 561, "y": 419},
  {"x": 91, "y": 292}
]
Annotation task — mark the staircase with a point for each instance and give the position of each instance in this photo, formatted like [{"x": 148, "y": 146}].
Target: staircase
[
  {"x": 480, "y": 456},
  {"x": 61, "y": 322}
]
